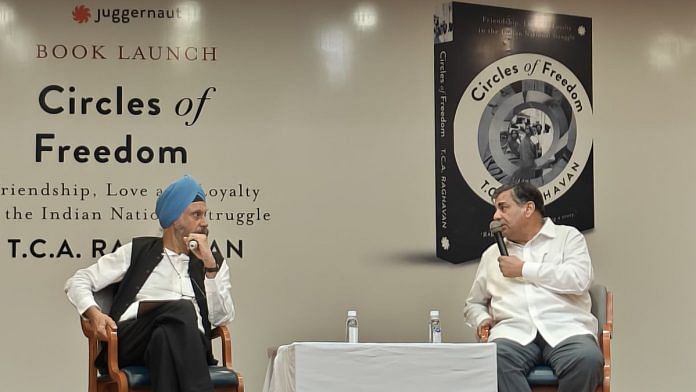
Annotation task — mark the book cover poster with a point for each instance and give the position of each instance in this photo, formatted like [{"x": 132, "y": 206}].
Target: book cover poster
[{"x": 513, "y": 103}]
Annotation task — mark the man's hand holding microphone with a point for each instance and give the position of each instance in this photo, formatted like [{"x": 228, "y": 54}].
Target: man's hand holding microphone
[
  {"x": 199, "y": 247},
  {"x": 510, "y": 266}
]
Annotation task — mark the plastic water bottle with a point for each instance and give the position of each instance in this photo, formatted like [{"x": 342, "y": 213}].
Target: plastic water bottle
[
  {"x": 435, "y": 333},
  {"x": 352, "y": 327}
]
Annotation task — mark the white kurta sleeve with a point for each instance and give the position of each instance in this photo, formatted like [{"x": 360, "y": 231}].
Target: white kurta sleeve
[
  {"x": 219, "y": 296},
  {"x": 109, "y": 269}
]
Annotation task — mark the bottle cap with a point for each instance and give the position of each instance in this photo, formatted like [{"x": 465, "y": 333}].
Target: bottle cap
[
  {"x": 352, "y": 313},
  {"x": 435, "y": 313}
]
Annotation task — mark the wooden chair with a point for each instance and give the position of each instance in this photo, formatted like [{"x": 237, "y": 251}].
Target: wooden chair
[
  {"x": 137, "y": 378},
  {"x": 542, "y": 378}
]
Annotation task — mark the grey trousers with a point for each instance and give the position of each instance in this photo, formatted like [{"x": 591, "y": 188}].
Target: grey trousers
[{"x": 577, "y": 362}]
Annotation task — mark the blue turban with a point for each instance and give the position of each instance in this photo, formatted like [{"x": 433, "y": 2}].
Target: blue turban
[{"x": 176, "y": 198}]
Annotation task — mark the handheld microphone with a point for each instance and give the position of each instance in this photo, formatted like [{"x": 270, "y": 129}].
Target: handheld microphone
[
  {"x": 496, "y": 229},
  {"x": 193, "y": 244}
]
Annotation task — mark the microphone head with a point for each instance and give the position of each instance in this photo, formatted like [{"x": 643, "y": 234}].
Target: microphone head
[{"x": 495, "y": 227}]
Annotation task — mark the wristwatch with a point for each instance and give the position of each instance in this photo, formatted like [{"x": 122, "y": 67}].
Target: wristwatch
[{"x": 216, "y": 269}]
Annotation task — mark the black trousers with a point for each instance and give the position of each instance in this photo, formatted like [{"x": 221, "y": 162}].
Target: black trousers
[{"x": 167, "y": 341}]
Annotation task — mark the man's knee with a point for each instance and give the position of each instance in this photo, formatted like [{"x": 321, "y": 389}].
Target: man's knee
[
  {"x": 158, "y": 336},
  {"x": 586, "y": 359},
  {"x": 158, "y": 346},
  {"x": 589, "y": 359},
  {"x": 514, "y": 362},
  {"x": 512, "y": 356}
]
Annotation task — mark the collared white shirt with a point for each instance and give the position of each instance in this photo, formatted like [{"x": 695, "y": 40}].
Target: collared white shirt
[
  {"x": 168, "y": 281},
  {"x": 552, "y": 296}
]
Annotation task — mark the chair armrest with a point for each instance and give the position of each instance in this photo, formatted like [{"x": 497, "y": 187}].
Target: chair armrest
[
  {"x": 112, "y": 357},
  {"x": 226, "y": 342},
  {"x": 606, "y": 336},
  {"x": 606, "y": 345},
  {"x": 93, "y": 350},
  {"x": 609, "y": 326},
  {"x": 606, "y": 351},
  {"x": 223, "y": 333}
]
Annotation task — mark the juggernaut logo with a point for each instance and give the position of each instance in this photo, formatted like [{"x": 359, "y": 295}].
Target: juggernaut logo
[{"x": 83, "y": 14}]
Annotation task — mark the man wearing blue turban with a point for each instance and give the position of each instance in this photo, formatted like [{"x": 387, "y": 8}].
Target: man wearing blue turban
[{"x": 169, "y": 294}]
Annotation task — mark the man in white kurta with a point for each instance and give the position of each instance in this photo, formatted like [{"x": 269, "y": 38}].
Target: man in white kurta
[{"x": 536, "y": 301}]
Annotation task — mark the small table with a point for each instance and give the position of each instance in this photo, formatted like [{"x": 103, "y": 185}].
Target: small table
[{"x": 382, "y": 367}]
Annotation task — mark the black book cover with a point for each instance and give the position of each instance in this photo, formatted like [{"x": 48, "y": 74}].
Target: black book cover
[{"x": 513, "y": 103}]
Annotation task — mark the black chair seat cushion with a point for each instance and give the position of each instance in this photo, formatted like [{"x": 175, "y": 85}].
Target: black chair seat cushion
[
  {"x": 542, "y": 375},
  {"x": 139, "y": 376}
]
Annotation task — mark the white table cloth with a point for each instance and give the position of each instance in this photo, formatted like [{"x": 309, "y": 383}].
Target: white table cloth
[{"x": 383, "y": 367}]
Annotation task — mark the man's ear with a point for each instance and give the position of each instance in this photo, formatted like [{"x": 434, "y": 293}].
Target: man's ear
[{"x": 529, "y": 208}]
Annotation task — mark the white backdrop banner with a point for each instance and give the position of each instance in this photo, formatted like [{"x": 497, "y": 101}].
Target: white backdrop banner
[{"x": 104, "y": 105}]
